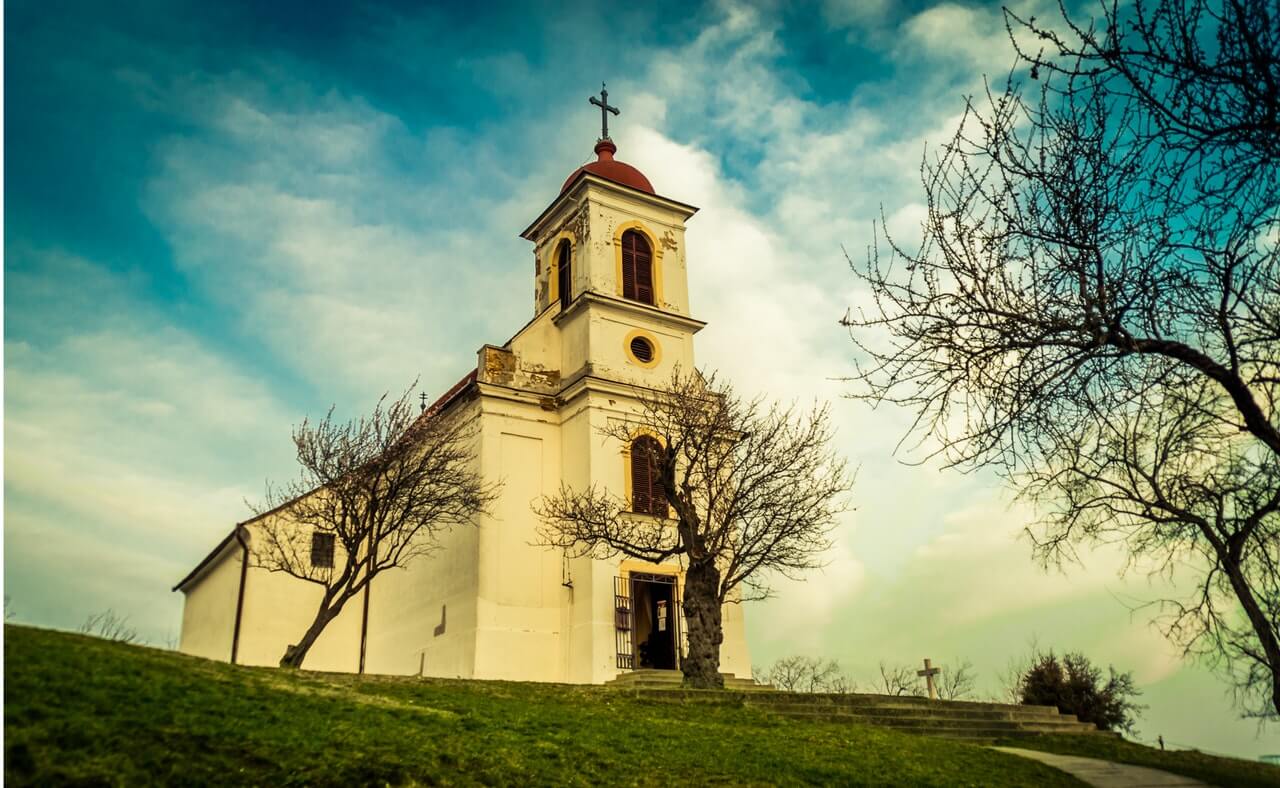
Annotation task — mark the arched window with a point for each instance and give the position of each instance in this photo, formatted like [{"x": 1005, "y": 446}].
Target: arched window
[
  {"x": 647, "y": 494},
  {"x": 637, "y": 267},
  {"x": 564, "y": 275}
]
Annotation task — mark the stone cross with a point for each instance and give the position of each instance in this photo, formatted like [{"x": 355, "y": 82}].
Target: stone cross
[
  {"x": 929, "y": 672},
  {"x": 605, "y": 109}
]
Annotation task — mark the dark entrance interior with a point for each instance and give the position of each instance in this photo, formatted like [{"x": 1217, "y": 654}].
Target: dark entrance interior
[{"x": 655, "y": 623}]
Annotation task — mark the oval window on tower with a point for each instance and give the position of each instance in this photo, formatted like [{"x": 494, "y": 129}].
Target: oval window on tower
[{"x": 642, "y": 349}]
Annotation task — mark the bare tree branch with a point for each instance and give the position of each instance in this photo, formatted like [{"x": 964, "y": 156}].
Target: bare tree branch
[
  {"x": 382, "y": 487},
  {"x": 899, "y": 680},
  {"x": 1095, "y": 308},
  {"x": 754, "y": 491},
  {"x": 807, "y": 674},
  {"x": 957, "y": 681}
]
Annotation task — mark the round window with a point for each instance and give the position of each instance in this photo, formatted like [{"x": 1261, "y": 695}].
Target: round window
[{"x": 642, "y": 349}]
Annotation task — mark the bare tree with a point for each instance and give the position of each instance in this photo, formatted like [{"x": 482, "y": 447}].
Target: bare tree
[
  {"x": 898, "y": 680},
  {"x": 374, "y": 494},
  {"x": 1015, "y": 671},
  {"x": 753, "y": 489},
  {"x": 838, "y": 682},
  {"x": 1094, "y": 310},
  {"x": 957, "y": 682},
  {"x": 109, "y": 626},
  {"x": 807, "y": 674}
]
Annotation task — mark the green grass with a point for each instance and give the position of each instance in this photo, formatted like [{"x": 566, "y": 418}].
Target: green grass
[
  {"x": 1208, "y": 768},
  {"x": 83, "y": 711}
]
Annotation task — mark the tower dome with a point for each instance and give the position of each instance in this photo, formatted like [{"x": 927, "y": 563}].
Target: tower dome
[{"x": 609, "y": 168}]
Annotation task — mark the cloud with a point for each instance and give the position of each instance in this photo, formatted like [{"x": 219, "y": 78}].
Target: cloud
[
  {"x": 324, "y": 243},
  {"x": 931, "y": 563},
  {"x": 301, "y": 225},
  {"x": 130, "y": 446},
  {"x": 951, "y": 30}
]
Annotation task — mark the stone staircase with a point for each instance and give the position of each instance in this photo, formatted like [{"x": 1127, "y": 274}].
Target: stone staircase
[
  {"x": 967, "y": 720},
  {"x": 650, "y": 679}
]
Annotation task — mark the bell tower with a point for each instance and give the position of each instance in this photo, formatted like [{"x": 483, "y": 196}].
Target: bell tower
[{"x": 611, "y": 269}]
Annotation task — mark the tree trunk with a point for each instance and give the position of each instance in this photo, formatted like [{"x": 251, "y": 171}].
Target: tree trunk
[
  {"x": 701, "y": 666},
  {"x": 296, "y": 652},
  {"x": 1258, "y": 619}
]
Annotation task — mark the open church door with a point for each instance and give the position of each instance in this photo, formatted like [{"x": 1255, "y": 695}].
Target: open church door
[
  {"x": 622, "y": 622},
  {"x": 682, "y": 632}
]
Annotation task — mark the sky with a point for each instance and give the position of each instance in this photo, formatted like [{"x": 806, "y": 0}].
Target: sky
[{"x": 223, "y": 217}]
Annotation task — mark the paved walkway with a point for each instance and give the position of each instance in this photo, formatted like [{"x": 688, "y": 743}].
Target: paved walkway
[{"x": 1105, "y": 774}]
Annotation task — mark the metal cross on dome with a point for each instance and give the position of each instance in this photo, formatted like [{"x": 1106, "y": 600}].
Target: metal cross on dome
[{"x": 605, "y": 109}]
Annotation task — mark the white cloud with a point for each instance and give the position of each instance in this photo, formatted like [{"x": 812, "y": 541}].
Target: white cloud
[
  {"x": 320, "y": 247},
  {"x": 932, "y": 563},
  {"x": 130, "y": 447},
  {"x": 954, "y": 30},
  {"x": 351, "y": 253}
]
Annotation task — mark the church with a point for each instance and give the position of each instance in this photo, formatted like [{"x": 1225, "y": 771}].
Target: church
[{"x": 611, "y": 314}]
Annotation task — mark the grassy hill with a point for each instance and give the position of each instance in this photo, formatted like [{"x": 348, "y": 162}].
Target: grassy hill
[{"x": 84, "y": 711}]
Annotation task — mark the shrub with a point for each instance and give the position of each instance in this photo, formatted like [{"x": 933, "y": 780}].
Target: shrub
[{"x": 1075, "y": 686}]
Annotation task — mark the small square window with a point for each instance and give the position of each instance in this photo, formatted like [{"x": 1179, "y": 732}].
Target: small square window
[{"x": 322, "y": 550}]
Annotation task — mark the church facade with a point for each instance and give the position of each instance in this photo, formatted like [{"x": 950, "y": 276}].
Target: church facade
[{"x": 611, "y": 313}]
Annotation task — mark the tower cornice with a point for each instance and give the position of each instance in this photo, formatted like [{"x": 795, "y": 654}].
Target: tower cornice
[
  {"x": 585, "y": 179},
  {"x": 632, "y": 309}
]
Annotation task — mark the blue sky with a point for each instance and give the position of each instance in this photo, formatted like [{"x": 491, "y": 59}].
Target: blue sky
[{"x": 221, "y": 217}]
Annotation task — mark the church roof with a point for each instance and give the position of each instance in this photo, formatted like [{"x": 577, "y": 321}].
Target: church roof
[
  {"x": 447, "y": 399},
  {"x": 609, "y": 168},
  {"x": 449, "y": 396}
]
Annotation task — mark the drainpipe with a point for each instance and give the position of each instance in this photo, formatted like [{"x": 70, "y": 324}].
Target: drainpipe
[
  {"x": 244, "y": 571},
  {"x": 364, "y": 625},
  {"x": 364, "y": 615}
]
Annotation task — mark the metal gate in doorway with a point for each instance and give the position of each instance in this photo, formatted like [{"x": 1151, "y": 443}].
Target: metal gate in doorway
[{"x": 624, "y": 616}]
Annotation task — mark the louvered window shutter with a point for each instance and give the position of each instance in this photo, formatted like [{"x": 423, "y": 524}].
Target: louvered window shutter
[
  {"x": 629, "y": 264},
  {"x": 641, "y": 478},
  {"x": 647, "y": 494},
  {"x": 644, "y": 271},
  {"x": 564, "y": 276},
  {"x": 657, "y": 493}
]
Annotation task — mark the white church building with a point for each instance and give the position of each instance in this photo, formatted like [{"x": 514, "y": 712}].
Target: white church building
[{"x": 611, "y": 313}]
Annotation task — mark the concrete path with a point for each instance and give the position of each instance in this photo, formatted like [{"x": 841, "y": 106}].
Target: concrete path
[{"x": 1105, "y": 774}]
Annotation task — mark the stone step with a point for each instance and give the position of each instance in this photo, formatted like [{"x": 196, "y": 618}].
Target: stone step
[
  {"x": 675, "y": 682},
  {"x": 648, "y": 678},
  {"x": 904, "y": 713},
  {"x": 646, "y": 687},
  {"x": 912, "y": 711},
  {"x": 772, "y": 697},
  {"x": 668, "y": 677},
  {"x": 922, "y": 722},
  {"x": 858, "y": 699},
  {"x": 974, "y": 732},
  {"x": 966, "y": 720}
]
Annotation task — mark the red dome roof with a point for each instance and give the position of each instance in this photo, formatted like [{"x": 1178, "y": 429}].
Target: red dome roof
[{"x": 611, "y": 169}]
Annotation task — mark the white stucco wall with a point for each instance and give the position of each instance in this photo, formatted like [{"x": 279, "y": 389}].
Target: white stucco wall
[
  {"x": 209, "y": 606},
  {"x": 408, "y": 605}
]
